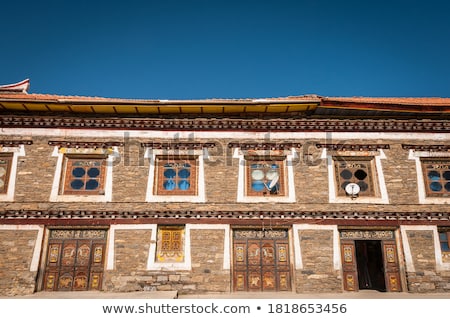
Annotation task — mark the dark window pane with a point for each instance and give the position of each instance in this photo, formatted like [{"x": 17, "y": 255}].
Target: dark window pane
[
  {"x": 447, "y": 187},
  {"x": 363, "y": 186},
  {"x": 184, "y": 185},
  {"x": 344, "y": 185},
  {"x": 184, "y": 173},
  {"x": 360, "y": 174},
  {"x": 435, "y": 186},
  {"x": 170, "y": 173},
  {"x": 77, "y": 184},
  {"x": 91, "y": 184},
  {"x": 444, "y": 247},
  {"x": 78, "y": 172},
  {"x": 443, "y": 236},
  {"x": 346, "y": 174},
  {"x": 446, "y": 175},
  {"x": 93, "y": 172},
  {"x": 434, "y": 176}
]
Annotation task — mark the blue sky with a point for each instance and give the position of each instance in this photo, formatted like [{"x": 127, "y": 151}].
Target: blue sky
[{"x": 227, "y": 49}]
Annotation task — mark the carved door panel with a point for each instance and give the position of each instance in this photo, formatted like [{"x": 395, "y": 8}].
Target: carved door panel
[
  {"x": 75, "y": 260},
  {"x": 349, "y": 265},
  {"x": 391, "y": 267},
  {"x": 261, "y": 264}
]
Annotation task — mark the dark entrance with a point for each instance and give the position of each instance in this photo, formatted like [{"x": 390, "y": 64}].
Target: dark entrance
[{"x": 369, "y": 259}]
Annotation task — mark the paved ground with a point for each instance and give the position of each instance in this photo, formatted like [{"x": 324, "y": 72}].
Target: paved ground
[{"x": 365, "y": 294}]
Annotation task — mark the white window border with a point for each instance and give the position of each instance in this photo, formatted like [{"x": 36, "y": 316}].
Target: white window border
[
  {"x": 423, "y": 198},
  {"x": 107, "y": 197},
  {"x": 17, "y": 151},
  {"x": 199, "y": 198},
  {"x": 334, "y": 198},
  {"x": 159, "y": 266},
  {"x": 440, "y": 265},
  {"x": 290, "y": 185}
]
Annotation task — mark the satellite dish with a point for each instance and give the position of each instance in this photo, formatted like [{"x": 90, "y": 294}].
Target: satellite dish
[
  {"x": 352, "y": 189},
  {"x": 274, "y": 182}
]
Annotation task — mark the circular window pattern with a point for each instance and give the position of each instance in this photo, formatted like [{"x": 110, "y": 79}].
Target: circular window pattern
[
  {"x": 77, "y": 184},
  {"x": 360, "y": 174},
  {"x": 446, "y": 175},
  {"x": 257, "y": 175},
  {"x": 91, "y": 184},
  {"x": 184, "y": 173},
  {"x": 184, "y": 185},
  {"x": 258, "y": 186},
  {"x": 344, "y": 185},
  {"x": 170, "y": 173},
  {"x": 447, "y": 187},
  {"x": 93, "y": 172},
  {"x": 169, "y": 185},
  {"x": 434, "y": 176},
  {"x": 363, "y": 186},
  {"x": 78, "y": 172},
  {"x": 436, "y": 187},
  {"x": 346, "y": 174}
]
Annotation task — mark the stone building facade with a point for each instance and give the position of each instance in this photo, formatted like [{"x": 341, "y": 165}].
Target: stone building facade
[{"x": 303, "y": 194}]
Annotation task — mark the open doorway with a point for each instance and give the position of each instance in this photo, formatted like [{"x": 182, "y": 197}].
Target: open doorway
[{"x": 370, "y": 264}]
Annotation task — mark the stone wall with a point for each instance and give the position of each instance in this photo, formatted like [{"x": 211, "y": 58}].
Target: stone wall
[
  {"x": 131, "y": 255},
  {"x": 425, "y": 278},
  {"x": 16, "y": 252},
  {"x": 318, "y": 273}
]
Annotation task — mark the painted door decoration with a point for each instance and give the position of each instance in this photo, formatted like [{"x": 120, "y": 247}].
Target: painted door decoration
[
  {"x": 75, "y": 260},
  {"x": 391, "y": 267},
  {"x": 261, "y": 260},
  {"x": 349, "y": 266}
]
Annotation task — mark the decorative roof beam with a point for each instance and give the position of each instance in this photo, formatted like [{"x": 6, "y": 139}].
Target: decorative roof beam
[
  {"x": 178, "y": 145},
  {"x": 436, "y": 148},
  {"x": 353, "y": 147},
  {"x": 78, "y": 144}
]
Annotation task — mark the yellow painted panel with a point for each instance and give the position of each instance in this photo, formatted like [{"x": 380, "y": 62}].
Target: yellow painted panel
[
  {"x": 103, "y": 108},
  {"x": 125, "y": 109},
  {"x": 298, "y": 108},
  {"x": 208, "y": 109},
  {"x": 255, "y": 108},
  {"x": 14, "y": 106},
  {"x": 36, "y": 107},
  {"x": 147, "y": 109},
  {"x": 58, "y": 107},
  {"x": 190, "y": 109},
  {"x": 81, "y": 108},
  {"x": 277, "y": 108},
  {"x": 233, "y": 109}
]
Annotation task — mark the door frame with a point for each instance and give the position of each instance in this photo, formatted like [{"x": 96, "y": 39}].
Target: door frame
[{"x": 394, "y": 280}]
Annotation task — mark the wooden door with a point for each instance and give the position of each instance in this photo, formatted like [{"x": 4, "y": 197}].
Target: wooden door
[
  {"x": 261, "y": 262},
  {"x": 75, "y": 260},
  {"x": 391, "y": 267},
  {"x": 349, "y": 265}
]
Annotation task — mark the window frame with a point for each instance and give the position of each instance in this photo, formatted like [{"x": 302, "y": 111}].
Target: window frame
[
  {"x": 446, "y": 241},
  {"x": 265, "y": 160},
  {"x": 69, "y": 160},
  {"x": 425, "y": 161},
  {"x": 172, "y": 254},
  {"x": 355, "y": 161},
  {"x": 8, "y": 157},
  {"x": 160, "y": 160}
]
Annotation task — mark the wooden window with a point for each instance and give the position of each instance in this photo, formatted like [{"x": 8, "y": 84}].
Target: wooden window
[
  {"x": 436, "y": 175},
  {"x": 5, "y": 170},
  {"x": 176, "y": 175},
  {"x": 83, "y": 175},
  {"x": 170, "y": 244},
  {"x": 444, "y": 239},
  {"x": 265, "y": 176},
  {"x": 358, "y": 170}
]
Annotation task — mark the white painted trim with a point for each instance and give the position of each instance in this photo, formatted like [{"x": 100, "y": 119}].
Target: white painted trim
[
  {"x": 415, "y": 156},
  {"x": 151, "y": 264},
  {"x": 107, "y": 197},
  {"x": 224, "y": 134},
  {"x": 337, "y": 264},
  {"x": 201, "y": 195},
  {"x": 381, "y": 183},
  {"x": 34, "y": 264},
  {"x": 290, "y": 186},
  {"x": 17, "y": 151}
]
